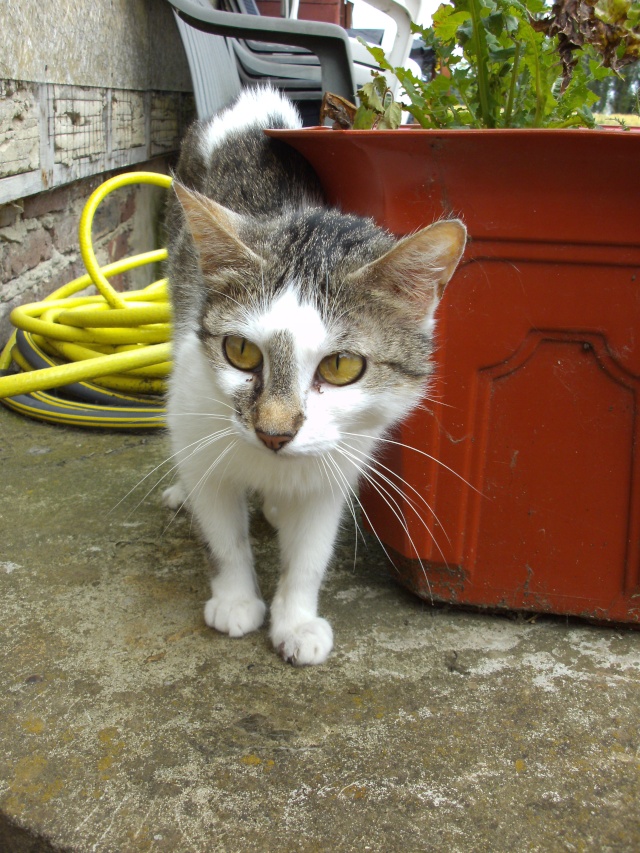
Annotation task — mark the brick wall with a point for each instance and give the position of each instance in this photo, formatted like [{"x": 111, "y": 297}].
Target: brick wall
[{"x": 39, "y": 249}]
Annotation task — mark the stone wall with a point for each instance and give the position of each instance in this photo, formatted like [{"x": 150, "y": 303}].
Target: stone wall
[
  {"x": 85, "y": 91},
  {"x": 19, "y": 128},
  {"x": 121, "y": 44}
]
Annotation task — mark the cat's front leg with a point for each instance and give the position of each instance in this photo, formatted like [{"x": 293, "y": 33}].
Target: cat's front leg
[
  {"x": 235, "y": 607},
  {"x": 307, "y": 530}
]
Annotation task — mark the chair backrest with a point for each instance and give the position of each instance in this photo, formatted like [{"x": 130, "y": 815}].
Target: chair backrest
[
  {"x": 214, "y": 72},
  {"x": 400, "y": 12},
  {"x": 328, "y": 42}
]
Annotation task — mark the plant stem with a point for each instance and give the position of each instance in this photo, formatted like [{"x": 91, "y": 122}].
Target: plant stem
[
  {"x": 482, "y": 53},
  {"x": 472, "y": 117},
  {"x": 537, "y": 119},
  {"x": 512, "y": 87}
]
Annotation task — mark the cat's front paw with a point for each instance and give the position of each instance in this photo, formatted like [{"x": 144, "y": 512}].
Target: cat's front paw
[
  {"x": 305, "y": 643},
  {"x": 234, "y": 616},
  {"x": 174, "y": 497}
]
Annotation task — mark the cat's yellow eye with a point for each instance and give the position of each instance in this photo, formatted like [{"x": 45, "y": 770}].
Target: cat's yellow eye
[
  {"x": 241, "y": 353},
  {"x": 341, "y": 368}
]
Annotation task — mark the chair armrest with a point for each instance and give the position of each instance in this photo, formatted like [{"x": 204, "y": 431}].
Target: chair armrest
[{"x": 329, "y": 42}]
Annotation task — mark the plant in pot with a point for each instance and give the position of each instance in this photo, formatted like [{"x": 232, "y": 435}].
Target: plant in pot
[
  {"x": 502, "y": 64},
  {"x": 527, "y": 450}
]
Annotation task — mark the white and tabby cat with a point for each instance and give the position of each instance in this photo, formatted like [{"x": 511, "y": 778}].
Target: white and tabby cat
[{"x": 301, "y": 335}]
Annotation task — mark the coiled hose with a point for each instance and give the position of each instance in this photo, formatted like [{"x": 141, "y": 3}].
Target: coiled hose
[{"x": 100, "y": 360}]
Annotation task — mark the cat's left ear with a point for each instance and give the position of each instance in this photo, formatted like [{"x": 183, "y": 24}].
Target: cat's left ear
[
  {"x": 214, "y": 229},
  {"x": 419, "y": 266}
]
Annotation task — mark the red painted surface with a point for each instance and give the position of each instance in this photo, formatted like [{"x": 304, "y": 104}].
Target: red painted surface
[
  {"x": 330, "y": 11},
  {"x": 536, "y": 401}
]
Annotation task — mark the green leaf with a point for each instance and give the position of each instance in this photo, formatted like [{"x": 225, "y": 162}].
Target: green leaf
[
  {"x": 494, "y": 23},
  {"x": 612, "y": 11},
  {"x": 370, "y": 97},
  {"x": 446, "y": 26},
  {"x": 504, "y": 54},
  {"x": 364, "y": 118},
  {"x": 393, "y": 115}
]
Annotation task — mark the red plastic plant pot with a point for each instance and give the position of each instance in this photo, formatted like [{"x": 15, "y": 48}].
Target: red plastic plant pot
[{"x": 527, "y": 452}]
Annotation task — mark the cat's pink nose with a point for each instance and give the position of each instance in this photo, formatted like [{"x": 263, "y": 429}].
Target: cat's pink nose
[{"x": 273, "y": 442}]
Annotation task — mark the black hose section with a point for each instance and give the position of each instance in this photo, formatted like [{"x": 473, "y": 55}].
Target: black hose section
[
  {"x": 83, "y": 391},
  {"x": 46, "y": 407}
]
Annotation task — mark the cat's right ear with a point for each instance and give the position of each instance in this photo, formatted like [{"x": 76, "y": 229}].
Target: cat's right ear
[
  {"x": 416, "y": 270},
  {"x": 214, "y": 229}
]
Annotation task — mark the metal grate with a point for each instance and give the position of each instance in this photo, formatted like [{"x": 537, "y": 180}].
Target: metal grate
[
  {"x": 128, "y": 120},
  {"x": 77, "y": 123},
  {"x": 52, "y": 134}
]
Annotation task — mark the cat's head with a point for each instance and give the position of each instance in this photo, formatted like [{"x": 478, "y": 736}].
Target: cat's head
[{"x": 316, "y": 324}]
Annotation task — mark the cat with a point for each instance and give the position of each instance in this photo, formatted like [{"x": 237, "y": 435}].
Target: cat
[{"x": 301, "y": 335}]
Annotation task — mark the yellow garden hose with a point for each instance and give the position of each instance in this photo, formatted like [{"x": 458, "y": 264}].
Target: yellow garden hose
[{"x": 120, "y": 341}]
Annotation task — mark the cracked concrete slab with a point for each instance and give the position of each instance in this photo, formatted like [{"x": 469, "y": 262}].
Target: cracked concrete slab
[{"x": 127, "y": 725}]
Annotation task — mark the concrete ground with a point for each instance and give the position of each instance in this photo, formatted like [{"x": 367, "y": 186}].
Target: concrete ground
[{"x": 127, "y": 725}]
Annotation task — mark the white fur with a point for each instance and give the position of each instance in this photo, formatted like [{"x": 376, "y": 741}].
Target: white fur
[
  {"x": 304, "y": 485},
  {"x": 288, "y": 313},
  {"x": 256, "y": 107}
]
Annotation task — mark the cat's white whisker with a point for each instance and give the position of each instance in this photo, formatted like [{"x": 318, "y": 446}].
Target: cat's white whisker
[
  {"x": 369, "y": 472},
  {"x": 207, "y": 415},
  {"x": 330, "y": 478},
  {"x": 221, "y": 403},
  {"x": 335, "y": 320},
  {"x": 153, "y": 471},
  {"x": 400, "y": 487},
  {"x": 198, "y": 446},
  {"x": 339, "y": 475},
  {"x": 230, "y": 450},
  {"x": 422, "y": 453},
  {"x": 394, "y": 506},
  {"x": 436, "y": 401},
  {"x": 322, "y": 466},
  {"x": 229, "y": 297},
  {"x": 199, "y": 485},
  {"x": 367, "y": 519}
]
